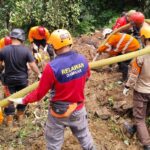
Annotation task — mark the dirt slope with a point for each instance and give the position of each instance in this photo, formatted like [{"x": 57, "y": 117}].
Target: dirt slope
[{"x": 106, "y": 106}]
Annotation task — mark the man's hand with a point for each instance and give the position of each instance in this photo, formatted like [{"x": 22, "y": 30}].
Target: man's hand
[
  {"x": 16, "y": 100},
  {"x": 126, "y": 91},
  {"x": 39, "y": 76}
]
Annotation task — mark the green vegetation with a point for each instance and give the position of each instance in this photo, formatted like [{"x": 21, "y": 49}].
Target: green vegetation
[{"x": 79, "y": 16}]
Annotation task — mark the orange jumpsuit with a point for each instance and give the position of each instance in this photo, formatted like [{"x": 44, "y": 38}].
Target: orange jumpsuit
[
  {"x": 120, "y": 43},
  {"x": 33, "y": 34}
]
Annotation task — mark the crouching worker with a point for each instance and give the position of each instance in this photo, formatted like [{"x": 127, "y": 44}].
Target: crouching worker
[
  {"x": 118, "y": 44},
  {"x": 139, "y": 77},
  {"x": 39, "y": 36},
  {"x": 66, "y": 75}
]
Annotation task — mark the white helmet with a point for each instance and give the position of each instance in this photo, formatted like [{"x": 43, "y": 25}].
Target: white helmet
[{"x": 106, "y": 31}]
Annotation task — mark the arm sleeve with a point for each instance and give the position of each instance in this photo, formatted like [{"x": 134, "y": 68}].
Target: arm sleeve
[
  {"x": 119, "y": 23},
  {"x": 134, "y": 71},
  {"x": 108, "y": 46},
  {"x": 44, "y": 86},
  {"x": 30, "y": 57},
  {"x": 30, "y": 35}
]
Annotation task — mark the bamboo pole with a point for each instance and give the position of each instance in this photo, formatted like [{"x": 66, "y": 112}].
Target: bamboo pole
[
  {"x": 19, "y": 94},
  {"x": 93, "y": 65},
  {"x": 120, "y": 58}
]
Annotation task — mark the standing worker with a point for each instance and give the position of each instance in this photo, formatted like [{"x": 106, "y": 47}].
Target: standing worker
[
  {"x": 15, "y": 58},
  {"x": 5, "y": 41},
  {"x": 118, "y": 44},
  {"x": 66, "y": 75},
  {"x": 39, "y": 36},
  {"x": 139, "y": 78}
]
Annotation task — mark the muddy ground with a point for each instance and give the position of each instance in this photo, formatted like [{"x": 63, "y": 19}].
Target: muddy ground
[{"x": 107, "y": 110}]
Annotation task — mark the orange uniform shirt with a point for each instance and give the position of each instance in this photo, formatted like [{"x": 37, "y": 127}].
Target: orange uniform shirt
[
  {"x": 120, "y": 43},
  {"x": 33, "y": 34},
  {"x": 2, "y": 43}
]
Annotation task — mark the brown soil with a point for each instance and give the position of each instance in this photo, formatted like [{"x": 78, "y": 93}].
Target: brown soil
[{"x": 106, "y": 106}]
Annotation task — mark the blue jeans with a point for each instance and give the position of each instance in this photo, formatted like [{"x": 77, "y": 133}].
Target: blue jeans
[{"x": 10, "y": 110}]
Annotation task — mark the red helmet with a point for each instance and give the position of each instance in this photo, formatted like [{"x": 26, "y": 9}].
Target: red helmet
[
  {"x": 137, "y": 18},
  {"x": 7, "y": 40},
  {"x": 41, "y": 31}
]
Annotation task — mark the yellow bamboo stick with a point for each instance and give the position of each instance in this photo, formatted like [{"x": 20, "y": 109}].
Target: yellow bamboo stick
[
  {"x": 120, "y": 58},
  {"x": 19, "y": 94}
]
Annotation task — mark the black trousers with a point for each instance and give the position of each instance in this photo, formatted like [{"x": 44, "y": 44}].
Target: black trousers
[
  {"x": 43, "y": 43},
  {"x": 123, "y": 68},
  {"x": 10, "y": 110}
]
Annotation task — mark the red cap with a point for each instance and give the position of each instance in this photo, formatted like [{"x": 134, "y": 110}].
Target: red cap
[
  {"x": 137, "y": 18},
  {"x": 41, "y": 31},
  {"x": 7, "y": 40}
]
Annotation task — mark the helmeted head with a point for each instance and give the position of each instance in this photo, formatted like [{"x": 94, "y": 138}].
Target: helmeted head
[
  {"x": 129, "y": 13},
  {"x": 145, "y": 33},
  {"x": 60, "y": 38},
  {"x": 18, "y": 34},
  {"x": 137, "y": 18},
  {"x": 41, "y": 31},
  {"x": 7, "y": 40},
  {"x": 106, "y": 32}
]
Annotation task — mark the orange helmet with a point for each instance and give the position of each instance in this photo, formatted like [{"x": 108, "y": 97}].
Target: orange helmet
[
  {"x": 41, "y": 31},
  {"x": 60, "y": 38},
  {"x": 7, "y": 40},
  {"x": 137, "y": 18},
  {"x": 145, "y": 31}
]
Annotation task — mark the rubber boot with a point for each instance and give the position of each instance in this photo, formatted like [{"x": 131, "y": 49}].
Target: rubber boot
[
  {"x": 20, "y": 115},
  {"x": 9, "y": 120}
]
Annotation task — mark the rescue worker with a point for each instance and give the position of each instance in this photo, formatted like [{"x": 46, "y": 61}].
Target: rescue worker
[
  {"x": 136, "y": 21},
  {"x": 66, "y": 75},
  {"x": 15, "y": 58},
  {"x": 139, "y": 78},
  {"x": 118, "y": 44},
  {"x": 125, "y": 19},
  {"x": 39, "y": 36},
  {"x": 5, "y": 41}
]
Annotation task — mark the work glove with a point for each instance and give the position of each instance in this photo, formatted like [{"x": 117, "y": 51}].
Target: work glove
[
  {"x": 16, "y": 100},
  {"x": 39, "y": 76},
  {"x": 126, "y": 91}
]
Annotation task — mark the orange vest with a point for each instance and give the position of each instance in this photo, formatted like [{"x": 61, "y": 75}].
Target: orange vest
[
  {"x": 33, "y": 34},
  {"x": 120, "y": 43},
  {"x": 2, "y": 43}
]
